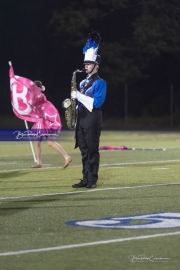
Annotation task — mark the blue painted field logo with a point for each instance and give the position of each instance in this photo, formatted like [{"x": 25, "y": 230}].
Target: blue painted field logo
[{"x": 148, "y": 221}]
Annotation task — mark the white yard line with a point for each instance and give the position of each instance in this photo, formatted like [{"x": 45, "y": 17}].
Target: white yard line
[
  {"x": 5, "y": 163},
  {"x": 104, "y": 242},
  {"x": 160, "y": 169},
  {"x": 83, "y": 191},
  {"x": 33, "y": 169},
  {"x": 18, "y": 155},
  {"x": 101, "y": 165},
  {"x": 22, "y": 155},
  {"x": 142, "y": 162}
]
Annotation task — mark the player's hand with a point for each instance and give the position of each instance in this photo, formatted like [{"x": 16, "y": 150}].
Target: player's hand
[{"x": 75, "y": 94}]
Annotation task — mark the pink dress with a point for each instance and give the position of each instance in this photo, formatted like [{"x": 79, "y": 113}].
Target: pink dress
[{"x": 49, "y": 119}]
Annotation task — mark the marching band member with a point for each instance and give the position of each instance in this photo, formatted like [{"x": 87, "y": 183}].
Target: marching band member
[{"x": 91, "y": 97}]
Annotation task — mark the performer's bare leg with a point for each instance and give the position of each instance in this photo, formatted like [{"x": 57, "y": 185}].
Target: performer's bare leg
[
  {"x": 38, "y": 155},
  {"x": 60, "y": 150}
]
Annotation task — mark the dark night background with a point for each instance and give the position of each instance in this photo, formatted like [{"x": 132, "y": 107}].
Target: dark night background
[{"x": 140, "y": 51}]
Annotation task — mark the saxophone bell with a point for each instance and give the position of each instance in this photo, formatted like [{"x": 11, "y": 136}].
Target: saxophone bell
[{"x": 66, "y": 103}]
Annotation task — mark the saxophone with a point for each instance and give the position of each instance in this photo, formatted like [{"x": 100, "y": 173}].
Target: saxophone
[{"x": 70, "y": 104}]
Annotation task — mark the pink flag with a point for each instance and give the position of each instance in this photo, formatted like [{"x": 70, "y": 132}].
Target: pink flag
[{"x": 30, "y": 104}]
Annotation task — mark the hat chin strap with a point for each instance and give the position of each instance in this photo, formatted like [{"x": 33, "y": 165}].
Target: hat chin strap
[{"x": 92, "y": 69}]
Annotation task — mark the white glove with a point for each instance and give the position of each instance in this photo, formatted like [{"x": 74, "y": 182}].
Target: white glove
[
  {"x": 85, "y": 100},
  {"x": 75, "y": 94}
]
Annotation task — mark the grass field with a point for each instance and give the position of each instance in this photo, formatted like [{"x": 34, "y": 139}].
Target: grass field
[{"x": 39, "y": 209}]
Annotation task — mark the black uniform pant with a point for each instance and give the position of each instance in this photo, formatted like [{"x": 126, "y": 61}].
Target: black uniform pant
[{"x": 88, "y": 131}]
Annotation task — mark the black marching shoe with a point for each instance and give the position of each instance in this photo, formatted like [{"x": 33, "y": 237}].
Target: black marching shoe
[
  {"x": 80, "y": 184},
  {"x": 91, "y": 185}
]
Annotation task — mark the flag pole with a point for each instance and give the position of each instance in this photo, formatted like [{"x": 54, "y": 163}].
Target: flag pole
[
  {"x": 154, "y": 149},
  {"x": 34, "y": 156}
]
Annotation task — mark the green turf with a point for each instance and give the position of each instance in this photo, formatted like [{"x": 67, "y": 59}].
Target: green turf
[{"x": 35, "y": 204}]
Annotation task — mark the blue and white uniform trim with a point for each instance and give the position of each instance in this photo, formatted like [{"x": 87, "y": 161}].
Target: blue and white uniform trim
[{"x": 97, "y": 91}]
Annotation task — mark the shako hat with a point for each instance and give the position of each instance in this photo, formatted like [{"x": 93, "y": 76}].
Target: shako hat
[{"x": 91, "y": 48}]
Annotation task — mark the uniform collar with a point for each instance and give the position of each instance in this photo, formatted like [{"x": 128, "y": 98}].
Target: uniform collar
[{"x": 92, "y": 76}]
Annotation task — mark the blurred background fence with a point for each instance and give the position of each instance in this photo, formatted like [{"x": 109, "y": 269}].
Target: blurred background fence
[{"x": 132, "y": 106}]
